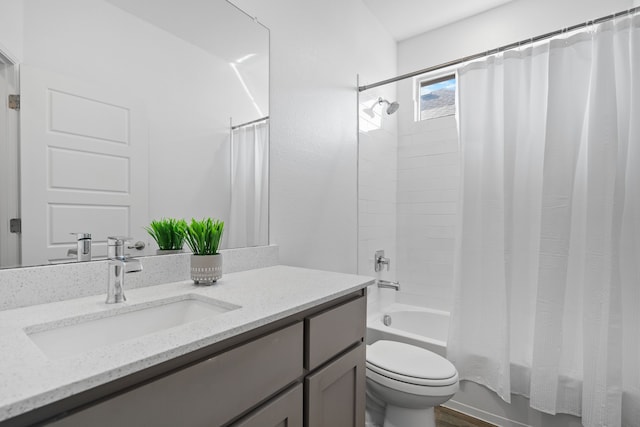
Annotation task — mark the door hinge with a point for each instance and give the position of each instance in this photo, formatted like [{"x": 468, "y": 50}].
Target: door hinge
[
  {"x": 14, "y": 102},
  {"x": 15, "y": 225}
]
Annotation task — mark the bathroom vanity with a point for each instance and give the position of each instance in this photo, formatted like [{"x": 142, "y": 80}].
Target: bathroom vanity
[{"x": 288, "y": 349}]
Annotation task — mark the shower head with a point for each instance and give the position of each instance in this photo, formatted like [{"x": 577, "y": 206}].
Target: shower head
[{"x": 392, "y": 106}]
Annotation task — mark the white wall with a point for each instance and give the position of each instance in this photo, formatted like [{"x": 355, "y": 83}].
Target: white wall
[
  {"x": 317, "y": 50},
  {"x": 11, "y": 28},
  {"x": 512, "y": 22}
]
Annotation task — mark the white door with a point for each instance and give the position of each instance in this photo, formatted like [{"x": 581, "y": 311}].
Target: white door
[{"x": 84, "y": 165}]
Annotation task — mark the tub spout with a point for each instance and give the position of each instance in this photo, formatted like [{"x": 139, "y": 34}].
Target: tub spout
[{"x": 388, "y": 284}]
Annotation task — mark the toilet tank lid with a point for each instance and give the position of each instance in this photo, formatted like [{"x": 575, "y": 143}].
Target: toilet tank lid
[{"x": 409, "y": 360}]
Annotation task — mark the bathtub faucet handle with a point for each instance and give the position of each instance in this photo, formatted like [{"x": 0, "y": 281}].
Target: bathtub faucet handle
[{"x": 380, "y": 260}]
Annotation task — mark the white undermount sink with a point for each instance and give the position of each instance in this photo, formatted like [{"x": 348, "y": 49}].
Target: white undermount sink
[{"x": 80, "y": 334}]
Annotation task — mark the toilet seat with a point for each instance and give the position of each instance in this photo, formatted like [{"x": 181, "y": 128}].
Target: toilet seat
[
  {"x": 419, "y": 390},
  {"x": 392, "y": 361}
]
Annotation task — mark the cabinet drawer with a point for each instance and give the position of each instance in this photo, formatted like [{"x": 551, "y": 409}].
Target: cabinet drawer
[
  {"x": 209, "y": 393},
  {"x": 333, "y": 331},
  {"x": 283, "y": 410}
]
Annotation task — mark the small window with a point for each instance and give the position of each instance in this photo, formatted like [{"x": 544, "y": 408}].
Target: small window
[{"x": 437, "y": 97}]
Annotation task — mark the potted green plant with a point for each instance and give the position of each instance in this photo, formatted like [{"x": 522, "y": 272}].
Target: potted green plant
[
  {"x": 169, "y": 234},
  {"x": 203, "y": 238}
]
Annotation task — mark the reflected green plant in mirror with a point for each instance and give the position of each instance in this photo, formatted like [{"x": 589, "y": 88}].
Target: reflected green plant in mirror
[
  {"x": 203, "y": 237},
  {"x": 169, "y": 233}
]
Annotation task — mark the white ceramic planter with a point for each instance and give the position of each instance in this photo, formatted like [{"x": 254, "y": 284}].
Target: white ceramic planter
[{"x": 206, "y": 269}]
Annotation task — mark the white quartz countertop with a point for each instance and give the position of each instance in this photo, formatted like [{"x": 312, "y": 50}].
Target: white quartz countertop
[{"x": 29, "y": 379}]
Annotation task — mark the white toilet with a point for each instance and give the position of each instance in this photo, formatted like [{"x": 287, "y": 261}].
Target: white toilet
[{"x": 410, "y": 381}]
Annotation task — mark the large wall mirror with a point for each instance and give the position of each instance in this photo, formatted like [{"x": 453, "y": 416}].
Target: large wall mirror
[{"x": 131, "y": 110}]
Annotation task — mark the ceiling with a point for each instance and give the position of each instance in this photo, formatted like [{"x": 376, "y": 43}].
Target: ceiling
[
  {"x": 408, "y": 18},
  {"x": 208, "y": 24}
]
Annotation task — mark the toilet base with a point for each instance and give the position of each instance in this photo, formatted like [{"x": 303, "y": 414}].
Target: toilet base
[{"x": 405, "y": 417}]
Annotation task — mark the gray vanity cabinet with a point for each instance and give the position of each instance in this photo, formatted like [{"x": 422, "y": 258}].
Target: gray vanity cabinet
[{"x": 307, "y": 369}]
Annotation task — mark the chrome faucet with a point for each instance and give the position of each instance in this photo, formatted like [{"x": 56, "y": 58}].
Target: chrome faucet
[
  {"x": 119, "y": 265},
  {"x": 82, "y": 251},
  {"x": 380, "y": 261},
  {"x": 388, "y": 284}
]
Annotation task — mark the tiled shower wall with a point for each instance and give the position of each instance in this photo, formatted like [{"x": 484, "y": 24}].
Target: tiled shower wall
[
  {"x": 427, "y": 191},
  {"x": 377, "y": 186},
  {"x": 409, "y": 177}
]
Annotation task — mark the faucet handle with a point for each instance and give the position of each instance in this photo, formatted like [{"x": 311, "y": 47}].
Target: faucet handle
[
  {"x": 81, "y": 236},
  {"x": 115, "y": 246},
  {"x": 117, "y": 240},
  {"x": 380, "y": 260}
]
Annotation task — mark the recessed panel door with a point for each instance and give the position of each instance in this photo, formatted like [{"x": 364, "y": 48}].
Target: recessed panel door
[{"x": 84, "y": 165}]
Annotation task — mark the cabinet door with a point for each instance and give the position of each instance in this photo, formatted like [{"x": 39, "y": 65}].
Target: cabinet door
[
  {"x": 283, "y": 411},
  {"x": 335, "y": 394}
]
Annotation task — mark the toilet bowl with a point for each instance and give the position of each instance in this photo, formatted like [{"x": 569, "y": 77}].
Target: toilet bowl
[{"x": 409, "y": 382}]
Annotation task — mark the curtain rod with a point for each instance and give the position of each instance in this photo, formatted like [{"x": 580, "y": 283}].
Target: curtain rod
[
  {"x": 498, "y": 50},
  {"x": 252, "y": 122}
]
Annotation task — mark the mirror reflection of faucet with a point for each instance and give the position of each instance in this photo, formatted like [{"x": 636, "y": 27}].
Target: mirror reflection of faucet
[
  {"x": 82, "y": 251},
  {"x": 119, "y": 265}
]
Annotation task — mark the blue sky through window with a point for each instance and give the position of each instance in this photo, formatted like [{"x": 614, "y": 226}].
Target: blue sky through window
[{"x": 437, "y": 99}]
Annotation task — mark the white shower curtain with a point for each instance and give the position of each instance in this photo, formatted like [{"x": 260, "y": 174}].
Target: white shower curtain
[
  {"x": 249, "y": 220},
  {"x": 547, "y": 268}
]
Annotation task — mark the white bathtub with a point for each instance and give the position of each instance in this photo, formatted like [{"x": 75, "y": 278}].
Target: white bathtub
[{"x": 422, "y": 327}]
